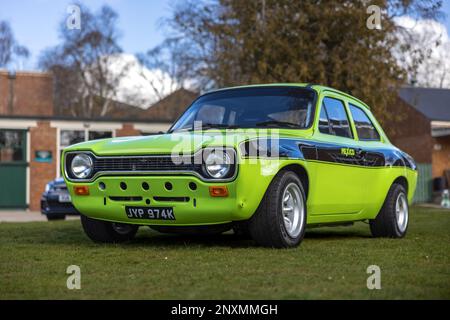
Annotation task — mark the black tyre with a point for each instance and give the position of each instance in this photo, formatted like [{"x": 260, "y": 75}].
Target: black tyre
[
  {"x": 241, "y": 230},
  {"x": 280, "y": 219},
  {"x": 392, "y": 220},
  {"x": 53, "y": 216},
  {"x": 108, "y": 232}
]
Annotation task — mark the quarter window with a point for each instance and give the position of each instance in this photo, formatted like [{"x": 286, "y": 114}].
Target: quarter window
[
  {"x": 337, "y": 117},
  {"x": 364, "y": 127}
]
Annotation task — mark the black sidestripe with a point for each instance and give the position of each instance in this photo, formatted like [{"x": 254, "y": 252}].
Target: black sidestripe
[{"x": 325, "y": 152}]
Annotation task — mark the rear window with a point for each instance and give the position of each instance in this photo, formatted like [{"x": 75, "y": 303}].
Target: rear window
[{"x": 364, "y": 127}]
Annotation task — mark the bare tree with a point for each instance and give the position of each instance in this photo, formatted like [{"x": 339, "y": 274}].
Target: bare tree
[
  {"x": 161, "y": 69},
  {"x": 233, "y": 42},
  {"x": 428, "y": 56},
  {"x": 9, "y": 48},
  {"x": 82, "y": 64}
]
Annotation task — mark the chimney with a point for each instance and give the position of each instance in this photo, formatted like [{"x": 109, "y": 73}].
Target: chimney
[{"x": 11, "y": 78}]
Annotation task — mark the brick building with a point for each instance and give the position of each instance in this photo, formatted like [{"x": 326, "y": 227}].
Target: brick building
[
  {"x": 33, "y": 133},
  {"x": 424, "y": 132}
]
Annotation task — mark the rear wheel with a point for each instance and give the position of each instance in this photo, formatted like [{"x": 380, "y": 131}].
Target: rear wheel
[
  {"x": 108, "y": 232},
  {"x": 392, "y": 220},
  {"x": 280, "y": 219}
]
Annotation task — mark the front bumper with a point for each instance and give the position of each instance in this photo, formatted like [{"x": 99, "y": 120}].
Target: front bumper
[
  {"x": 50, "y": 205},
  {"x": 190, "y": 207}
]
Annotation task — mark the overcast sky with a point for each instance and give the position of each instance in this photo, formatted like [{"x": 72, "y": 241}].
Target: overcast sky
[{"x": 35, "y": 22}]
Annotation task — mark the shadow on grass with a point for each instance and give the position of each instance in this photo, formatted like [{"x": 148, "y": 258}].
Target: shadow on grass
[
  {"x": 330, "y": 234},
  {"x": 228, "y": 240},
  {"x": 63, "y": 233}
]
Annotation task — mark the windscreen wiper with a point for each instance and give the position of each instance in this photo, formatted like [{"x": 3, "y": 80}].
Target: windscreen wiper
[
  {"x": 278, "y": 124},
  {"x": 216, "y": 126}
]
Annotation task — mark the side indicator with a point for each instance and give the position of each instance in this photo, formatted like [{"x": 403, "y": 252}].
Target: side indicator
[
  {"x": 218, "y": 191},
  {"x": 81, "y": 190}
]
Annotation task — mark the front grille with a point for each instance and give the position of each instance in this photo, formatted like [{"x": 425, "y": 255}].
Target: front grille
[
  {"x": 140, "y": 165},
  {"x": 129, "y": 164}
]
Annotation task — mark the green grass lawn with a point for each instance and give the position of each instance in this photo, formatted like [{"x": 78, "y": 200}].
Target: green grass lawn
[{"x": 331, "y": 263}]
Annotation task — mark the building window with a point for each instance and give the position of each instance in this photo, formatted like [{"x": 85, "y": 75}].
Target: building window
[
  {"x": 69, "y": 137},
  {"x": 94, "y": 135},
  {"x": 12, "y": 145},
  {"x": 148, "y": 133}
]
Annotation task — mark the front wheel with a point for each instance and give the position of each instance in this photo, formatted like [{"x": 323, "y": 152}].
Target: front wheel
[
  {"x": 280, "y": 219},
  {"x": 392, "y": 220},
  {"x": 108, "y": 232}
]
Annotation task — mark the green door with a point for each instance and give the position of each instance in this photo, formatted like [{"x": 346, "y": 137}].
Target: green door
[
  {"x": 424, "y": 189},
  {"x": 13, "y": 168}
]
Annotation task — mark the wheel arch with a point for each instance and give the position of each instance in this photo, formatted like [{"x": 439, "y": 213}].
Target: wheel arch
[
  {"x": 302, "y": 174},
  {"x": 402, "y": 181}
]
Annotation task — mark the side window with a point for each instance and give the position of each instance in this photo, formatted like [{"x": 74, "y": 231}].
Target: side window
[
  {"x": 364, "y": 127},
  {"x": 324, "y": 124},
  {"x": 338, "y": 118}
]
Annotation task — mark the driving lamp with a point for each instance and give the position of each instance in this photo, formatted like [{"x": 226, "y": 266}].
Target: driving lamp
[
  {"x": 218, "y": 164},
  {"x": 82, "y": 166}
]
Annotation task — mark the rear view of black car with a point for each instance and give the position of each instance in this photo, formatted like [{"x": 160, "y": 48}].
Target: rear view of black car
[{"x": 56, "y": 202}]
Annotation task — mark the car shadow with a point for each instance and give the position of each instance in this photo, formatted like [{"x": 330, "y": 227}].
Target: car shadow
[
  {"x": 153, "y": 239},
  {"x": 330, "y": 234},
  {"x": 63, "y": 234},
  {"x": 228, "y": 239}
]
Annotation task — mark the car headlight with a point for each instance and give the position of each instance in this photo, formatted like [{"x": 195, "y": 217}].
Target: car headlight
[
  {"x": 218, "y": 164},
  {"x": 48, "y": 187},
  {"x": 82, "y": 166}
]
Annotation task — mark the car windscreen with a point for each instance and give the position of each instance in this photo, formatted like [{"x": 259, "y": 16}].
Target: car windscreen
[{"x": 252, "y": 107}]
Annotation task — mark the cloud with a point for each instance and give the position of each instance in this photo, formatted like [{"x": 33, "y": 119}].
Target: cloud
[
  {"x": 431, "y": 36},
  {"x": 140, "y": 86}
]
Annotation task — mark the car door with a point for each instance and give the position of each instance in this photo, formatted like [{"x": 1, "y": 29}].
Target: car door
[
  {"x": 337, "y": 185},
  {"x": 372, "y": 152}
]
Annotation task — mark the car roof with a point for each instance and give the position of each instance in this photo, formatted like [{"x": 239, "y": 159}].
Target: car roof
[{"x": 317, "y": 87}]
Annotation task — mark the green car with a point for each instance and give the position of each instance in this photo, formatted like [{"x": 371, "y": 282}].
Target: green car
[{"x": 265, "y": 161}]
